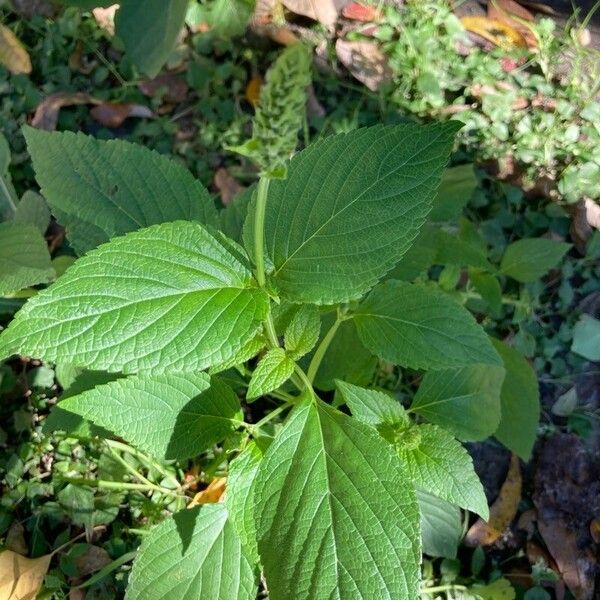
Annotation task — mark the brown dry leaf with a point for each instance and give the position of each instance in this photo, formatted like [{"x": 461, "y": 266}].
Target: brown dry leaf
[
  {"x": 502, "y": 511},
  {"x": 365, "y": 61},
  {"x": 21, "y": 577},
  {"x": 12, "y": 53},
  {"x": 357, "y": 11},
  {"x": 46, "y": 114},
  {"x": 494, "y": 31},
  {"x": 175, "y": 88},
  {"x": 228, "y": 187},
  {"x": 113, "y": 114},
  {"x": 92, "y": 560},
  {"x": 513, "y": 14},
  {"x": 15, "y": 539},
  {"x": 78, "y": 62},
  {"x": 252, "y": 92},
  {"x": 213, "y": 493},
  {"x": 105, "y": 18},
  {"x": 324, "y": 11}
]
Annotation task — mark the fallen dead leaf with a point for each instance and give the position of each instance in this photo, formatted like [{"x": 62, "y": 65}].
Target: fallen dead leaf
[
  {"x": 357, "y": 11},
  {"x": 105, "y": 18},
  {"x": 92, "y": 560},
  {"x": 502, "y": 511},
  {"x": 213, "y": 493},
  {"x": 46, "y": 114},
  {"x": 113, "y": 114},
  {"x": 514, "y": 15},
  {"x": 15, "y": 539},
  {"x": 324, "y": 11},
  {"x": 78, "y": 62},
  {"x": 228, "y": 187},
  {"x": 252, "y": 92},
  {"x": 13, "y": 54},
  {"x": 21, "y": 577},
  {"x": 175, "y": 88},
  {"x": 365, "y": 61},
  {"x": 494, "y": 31}
]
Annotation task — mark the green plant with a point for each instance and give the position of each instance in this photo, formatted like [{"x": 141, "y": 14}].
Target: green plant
[{"x": 170, "y": 307}]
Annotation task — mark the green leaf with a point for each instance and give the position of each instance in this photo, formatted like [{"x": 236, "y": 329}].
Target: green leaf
[
  {"x": 520, "y": 401},
  {"x": 33, "y": 210},
  {"x": 586, "y": 338},
  {"x": 419, "y": 257},
  {"x": 439, "y": 464},
  {"x": 372, "y": 407},
  {"x": 441, "y": 525},
  {"x": 529, "y": 259},
  {"x": 359, "y": 200},
  {"x": 8, "y": 196},
  {"x": 169, "y": 298},
  {"x": 232, "y": 217},
  {"x": 24, "y": 257},
  {"x": 302, "y": 333},
  {"x": 102, "y": 189},
  {"x": 335, "y": 515},
  {"x": 230, "y": 17},
  {"x": 466, "y": 401},
  {"x": 240, "y": 478},
  {"x": 488, "y": 287},
  {"x": 193, "y": 554},
  {"x": 273, "y": 370},
  {"x": 456, "y": 189},
  {"x": 452, "y": 250},
  {"x": 346, "y": 358},
  {"x": 420, "y": 327},
  {"x": 149, "y": 31},
  {"x": 168, "y": 416}
]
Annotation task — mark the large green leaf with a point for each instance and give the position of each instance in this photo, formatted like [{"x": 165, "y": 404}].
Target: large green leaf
[
  {"x": 456, "y": 188},
  {"x": 149, "y": 30},
  {"x": 439, "y": 464},
  {"x": 273, "y": 370},
  {"x": 335, "y": 515},
  {"x": 24, "y": 257},
  {"x": 466, "y": 401},
  {"x": 441, "y": 525},
  {"x": 33, "y": 210},
  {"x": 193, "y": 554},
  {"x": 529, "y": 259},
  {"x": 520, "y": 401},
  {"x": 169, "y": 298},
  {"x": 99, "y": 189},
  {"x": 350, "y": 208},
  {"x": 168, "y": 416},
  {"x": 420, "y": 327}
]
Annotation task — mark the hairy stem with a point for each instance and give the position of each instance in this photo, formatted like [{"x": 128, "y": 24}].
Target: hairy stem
[
  {"x": 119, "y": 485},
  {"x": 273, "y": 414},
  {"x": 259, "y": 229},
  {"x": 315, "y": 363}
]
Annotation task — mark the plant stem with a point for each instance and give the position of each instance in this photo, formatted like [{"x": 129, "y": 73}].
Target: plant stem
[
  {"x": 259, "y": 229},
  {"x": 128, "y": 467},
  {"x": 273, "y": 414},
  {"x": 6, "y": 192},
  {"x": 442, "y": 588},
  {"x": 315, "y": 363},
  {"x": 119, "y": 485},
  {"x": 510, "y": 301}
]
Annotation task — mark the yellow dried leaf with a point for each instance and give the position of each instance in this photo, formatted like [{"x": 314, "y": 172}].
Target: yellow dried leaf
[
  {"x": 213, "y": 493},
  {"x": 12, "y": 53},
  {"x": 253, "y": 87},
  {"x": 494, "y": 31},
  {"x": 502, "y": 511},
  {"x": 21, "y": 577}
]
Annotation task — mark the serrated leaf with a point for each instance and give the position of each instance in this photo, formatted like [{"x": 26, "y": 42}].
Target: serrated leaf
[
  {"x": 302, "y": 333},
  {"x": 439, "y": 464},
  {"x": 33, "y": 210},
  {"x": 169, "y": 298},
  {"x": 359, "y": 200},
  {"x": 520, "y": 401},
  {"x": 193, "y": 554},
  {"x": 453, "y": 250},
  {"x": 8, "y": 196},
  {"x": 232, "y": 217},
  {"x": 149, "y": 31},
  {"x": 101, "y": 189},
  {"x": 420, "y": 327},
  {"x": 24, "y": 257},
  {"x": 240, "y": 478},
  {"x": 465, "y": 401},
  {"x": 335, "y": 516},
  {"x": 273, "y": 370},
  {"x": 441, "y": 525},
  {"x": 168, "y": 416},
  {"x": 456, "y": 188},
  {"x": 250, "y": 350},
  {"x": 489, "y": 289},
  {"x": 529, "y": 259},
  {"x": 371, "y": 406}
]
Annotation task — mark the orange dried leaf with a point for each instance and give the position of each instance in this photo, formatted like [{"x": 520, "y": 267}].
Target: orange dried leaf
[
  {"x": 502, "y": 511},
  {"x": 113, "y": 114},
  {"x": 494, "y": 31},
  {"x": 213, "y": 493},
  {"x": 21, "y": 577},
  {"x": 252, "y": 93},
  {"x": 514, "y": 15},
  {"x": 357, "y": 11},
  {"x": 46, "y": 114}
]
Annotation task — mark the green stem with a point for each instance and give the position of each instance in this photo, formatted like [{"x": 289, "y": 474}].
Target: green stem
[
  {"x": 273, "y": 414},
  {"x": 510, "y": 301},
  {"x": 442, "y": 588},
  {"x": 306, "y": 382},
  {"x": 6, "y": 192},
  {"x": 118, "y": 485},
  {"x": 259, "y": 229},
  {"x": 128, "y": 467},
  {"x": 319, "y": 354}
]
